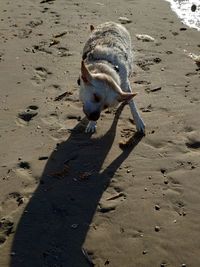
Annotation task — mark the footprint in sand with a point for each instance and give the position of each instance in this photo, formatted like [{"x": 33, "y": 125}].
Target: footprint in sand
[
  {"x": 27, "y": 178},
  {"x": 64, "y": 52},
  {"x": 28, "y": 114},
  {"x": 35, "y": 23},
  {"x": 11, "y": 203},
  {"x": 146, "y": 63},
  {"x": 1, "y": 56},
  {"x": 43, "y": 46},
  {"x": 193, "y": 142},
  {"x": 6, "y": 227},
  {"x": 24, "y": 33},
  {"x": 111, "y": 200},
  {"x": 53, "y": 89},
  {"x": 41, "y": 74}
]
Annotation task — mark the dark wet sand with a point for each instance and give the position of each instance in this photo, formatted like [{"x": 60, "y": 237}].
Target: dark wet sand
[{"x": 68, "y": 199}]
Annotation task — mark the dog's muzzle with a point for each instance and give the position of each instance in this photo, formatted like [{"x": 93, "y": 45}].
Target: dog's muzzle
[{"x": 92, "y": 116}]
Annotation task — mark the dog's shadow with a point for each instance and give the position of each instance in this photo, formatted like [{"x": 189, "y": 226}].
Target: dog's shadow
[{"x": 55, "y": 222}]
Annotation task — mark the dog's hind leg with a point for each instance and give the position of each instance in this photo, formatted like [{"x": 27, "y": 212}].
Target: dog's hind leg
[
  {"x": 140, "y": 126},
  {"x": 91, "y": 127}
]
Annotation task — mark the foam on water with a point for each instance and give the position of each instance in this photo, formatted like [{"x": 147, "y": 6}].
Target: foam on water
[{"x": 188, "y": 11}]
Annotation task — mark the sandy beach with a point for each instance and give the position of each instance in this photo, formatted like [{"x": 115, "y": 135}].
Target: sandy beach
[{"x": 70, "y": 199}]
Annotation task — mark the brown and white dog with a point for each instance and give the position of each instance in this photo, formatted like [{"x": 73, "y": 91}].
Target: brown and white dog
[{"x": 107, "y": 63}]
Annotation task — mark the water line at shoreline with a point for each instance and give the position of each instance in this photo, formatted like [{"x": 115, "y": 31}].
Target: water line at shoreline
[{"x": 188, "y": 11}]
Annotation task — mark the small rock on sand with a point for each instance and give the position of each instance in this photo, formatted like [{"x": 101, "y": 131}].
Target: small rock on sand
[
  {"x": 124, "y": 20},
  {"x": 145, "y": 37},
  {"x": 157, "y": 228}
]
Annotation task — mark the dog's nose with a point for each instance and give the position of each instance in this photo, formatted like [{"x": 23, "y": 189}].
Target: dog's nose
[{"x": 94, "y": 116}]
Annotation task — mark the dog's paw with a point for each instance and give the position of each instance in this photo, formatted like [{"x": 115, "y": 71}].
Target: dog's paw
[
  {"x": 140, "y": 126},
  {"x": 91, "y": 127}
]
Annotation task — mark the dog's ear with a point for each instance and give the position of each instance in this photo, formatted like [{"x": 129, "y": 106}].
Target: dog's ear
[
  {"x": 121, "y": 95},
  {"x": 126, "y": 97},
  {"x": 85, "y": 74}
]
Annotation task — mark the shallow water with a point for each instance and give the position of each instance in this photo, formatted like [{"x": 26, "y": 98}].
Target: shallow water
[{"x": 188, "y": 11}]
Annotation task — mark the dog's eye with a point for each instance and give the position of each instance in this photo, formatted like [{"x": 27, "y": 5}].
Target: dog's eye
[
  {"x": 97, "y": 98},
  {"x": 105, "y": 106}
]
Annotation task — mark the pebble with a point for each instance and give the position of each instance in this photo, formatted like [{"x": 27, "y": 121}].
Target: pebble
[
  {"x": 74, "y": 226},
  {"x": 157, "y": 207},
  {"x": 157, "y": 228},
  {"x": 145, "y": 38},
  {"x": 193, "y": 8},
  {"x": 124, "y": 20}
]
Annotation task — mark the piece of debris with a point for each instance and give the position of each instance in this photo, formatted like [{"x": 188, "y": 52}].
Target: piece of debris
[
  {"x": 155, "y": 89},
  {"x": 124, "y": 20},
  {"x": 62, "y": 173},
  {"x": 85, "y": 175},
  {"x": 43, "y": 158},
  {"x": 88, "y": 258},
  {"x": 116, "y": 196},
  {"x": 54, "y": 42},
  {"x": 73, "y": 157},
  {"x": 58, "y": 98},
  {"x": 145, "y": 38},
  {"x": 60, "y": 34},
  {"x": 195, "y": 57},
  {"x": 46, "y": 1},
  {"x": 147, "y": 109}
]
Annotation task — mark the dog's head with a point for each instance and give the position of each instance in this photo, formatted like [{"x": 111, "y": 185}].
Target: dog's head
[{"x": 99, "y": 91}]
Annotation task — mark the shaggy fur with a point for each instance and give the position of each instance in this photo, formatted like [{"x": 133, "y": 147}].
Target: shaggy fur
[{"x": 107, "y": 63}]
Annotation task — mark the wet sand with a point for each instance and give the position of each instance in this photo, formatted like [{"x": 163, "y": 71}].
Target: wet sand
[{"x": 112, "y": 198}]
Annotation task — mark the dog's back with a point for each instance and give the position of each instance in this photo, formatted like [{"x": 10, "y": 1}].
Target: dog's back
[{"x": 111, "y": 42}]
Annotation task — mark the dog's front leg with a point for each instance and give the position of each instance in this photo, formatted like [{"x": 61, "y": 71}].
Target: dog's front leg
[
  {"x": 140, "y": 126},
  {"x": 91, "y": 127}
]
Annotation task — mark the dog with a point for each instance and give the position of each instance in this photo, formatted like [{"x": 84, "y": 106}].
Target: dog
[{"x": 107, "y": 63}]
